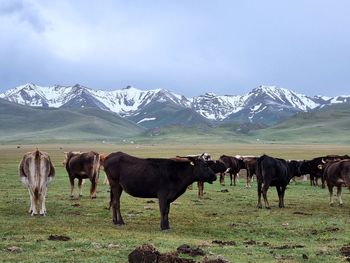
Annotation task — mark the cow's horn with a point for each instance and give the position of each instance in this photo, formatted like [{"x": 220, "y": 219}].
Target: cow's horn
[{"x": 323, "y": 161}]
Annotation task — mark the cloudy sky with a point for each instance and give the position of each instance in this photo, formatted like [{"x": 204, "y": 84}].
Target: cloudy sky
[{"x": 186, "y": 46}]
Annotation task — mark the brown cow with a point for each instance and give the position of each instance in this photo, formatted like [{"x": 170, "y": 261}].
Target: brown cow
[
  {"x": 337, "y": 174},
  {"x": 36, "y": 172},
  {"x": 81, "y": 166},
  {"x": 250, "y": 165}
]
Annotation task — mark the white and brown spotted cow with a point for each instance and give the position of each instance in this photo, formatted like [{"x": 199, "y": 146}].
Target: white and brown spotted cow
[
  {"x": 82, "y": 165},
  {"x": 36, "y": 172}
]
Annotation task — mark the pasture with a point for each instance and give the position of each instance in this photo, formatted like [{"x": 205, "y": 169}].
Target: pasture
[{"x": 307, "y": 230}]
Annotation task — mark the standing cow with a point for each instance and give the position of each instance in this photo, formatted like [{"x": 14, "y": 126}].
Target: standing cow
[
  {"x": 274, "y": 172},
  {"x": 81, "y": 166},
  {"x": 233, "y": 165},
  {"x": 36, "y": 172},
  {"x": 250, "y": 166},
  {"x": 165, "y": 179},
  {"x": 337, "y": 174}
]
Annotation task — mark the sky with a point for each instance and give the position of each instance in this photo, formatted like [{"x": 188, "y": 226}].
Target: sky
[{"x": 186, "y": 46}]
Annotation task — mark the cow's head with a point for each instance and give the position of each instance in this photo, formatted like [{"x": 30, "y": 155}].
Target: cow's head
[
  {"x": 201, "y": 170},
  {"x": 67, "y": 156},
  {"x": 305, "y": 167},
  {"x": 294, "y": 167}
]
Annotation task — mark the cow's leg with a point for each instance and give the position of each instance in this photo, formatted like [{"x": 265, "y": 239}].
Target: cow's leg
[
  {"x": 34, "y": 197},
  {"x": 80, "y": 186},
  {"x": 279, "y": 192},
  {"x": 42, "y": 200},
  {"x": 116, "y": 192},
  {"x": 31, "y": 201},
  {"x": 71, "y": 179},
  {"x": 237, "y": 178},
  {"x": 93, "y": 188},
  {"x": 222, "y": 179},
  {"x": 259, "y": 195},
  {"x": 200, "y": 189},
  {"x": 283, "y": 190},
  {"x": 339, "y": 195},
  {"x": 330, "y": 189},
  {"x": 231, "y": 179},
  {"x": 164, "y": 207},
  {"x": 322, "y": 182},
  {"x": 248, "y": 179},
  {"x": 264, "y": 193}
]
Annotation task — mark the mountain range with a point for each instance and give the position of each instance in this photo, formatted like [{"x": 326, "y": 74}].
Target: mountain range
[{"x": 265, "y": 105}]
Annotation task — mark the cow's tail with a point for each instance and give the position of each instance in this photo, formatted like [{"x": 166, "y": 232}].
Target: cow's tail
[{"x": 37, "y": 174}]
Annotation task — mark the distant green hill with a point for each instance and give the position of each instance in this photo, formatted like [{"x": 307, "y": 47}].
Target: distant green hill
[
  {"x": 20, "y": 123},
  {"x": 328, "y": 125}
]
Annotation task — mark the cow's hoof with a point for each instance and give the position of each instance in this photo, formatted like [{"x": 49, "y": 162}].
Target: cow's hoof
[
  {"x": 259, "y": 206},
  {"x": 118, "y": 223},
  {"x": 166, "y": 229},
  {"x": 267, "y": 207},
  {"x": 43, "y": 214},
  {"x": 341, "y": 205},
  {"x": 93, "y": 197},
  {"x": 80, "y": 195},
  {"x": 33, "y": 214},
  {"x": 331, "y": 204},
  {"x": 30, "y": 211}
]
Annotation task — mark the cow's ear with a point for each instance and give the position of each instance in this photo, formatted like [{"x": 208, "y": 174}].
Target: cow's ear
[{"x": 192, "y": 160}]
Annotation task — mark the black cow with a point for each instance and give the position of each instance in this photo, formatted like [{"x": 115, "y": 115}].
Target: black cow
[
  {"x": 274, "y": 172},
  {"x": 233, "y": 165},
  {"x": 311, "y": 167},
  {"x": 337, "y": 173},
  {"x": 165, "y": 179},
  {"x": 217, "y": 167}
]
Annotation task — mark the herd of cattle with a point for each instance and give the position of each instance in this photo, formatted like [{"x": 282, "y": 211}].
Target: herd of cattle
[{"x": 167, "y": 179}]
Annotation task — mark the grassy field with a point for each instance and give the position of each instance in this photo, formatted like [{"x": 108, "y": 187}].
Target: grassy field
[{"x": 306, "y": 226}]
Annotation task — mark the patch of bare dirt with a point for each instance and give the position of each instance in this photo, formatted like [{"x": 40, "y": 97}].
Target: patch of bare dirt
[
  {"x": 59, "y": 238},
  {"x": 302, "y": 213},
  {"x": 186, "y": 249},
  {"x": 288, "y": 246},
  {"x": 149, "y": 254},
  {"x": 216, "y": 260},
  {"x": 224, "y": 243}
]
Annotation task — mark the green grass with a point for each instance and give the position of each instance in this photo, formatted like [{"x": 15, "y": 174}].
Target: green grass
[{"x": 307, "y": 219}]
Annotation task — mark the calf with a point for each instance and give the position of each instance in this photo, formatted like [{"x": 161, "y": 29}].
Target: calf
[
  {"x": 36, "y": 172},
  {"x": 234, "y": 165},
  {"x": 165, "y": 179},
  {"x": 337, "y": 173},
  {"x": 81, "y": 166},
  {"x": 274, "y": 172}
]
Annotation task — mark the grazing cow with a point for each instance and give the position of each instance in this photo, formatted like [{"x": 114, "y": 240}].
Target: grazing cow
[
  {"x": 337, "y": 173},
  {"x": 36, "y": 172},
  {"x": 81, "y": 166},
  {"x": 217, "y": 167},
  {"x": 165, "y": 179},
  {"x": 274, "y": 172},
  {"x": 311, "y": 167},
  {"x": 234, "y": 165},
  {"x": 250, "y": 165}
]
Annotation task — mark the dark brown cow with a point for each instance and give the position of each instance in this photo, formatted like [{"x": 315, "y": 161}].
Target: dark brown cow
[
  {"x": 274, "y": 172},
  {"x": 165, "y": 179},
  {"x": 82, "y": 166},
  {"x": 234, "y": 165},
  {"x": 250, "y": 165},
  {"x": 337, "y": 173},
  {"x": 36, "y": 172}
]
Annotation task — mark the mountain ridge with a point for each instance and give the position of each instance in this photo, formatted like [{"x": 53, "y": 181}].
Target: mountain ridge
[{"x": 264, "y": 104}]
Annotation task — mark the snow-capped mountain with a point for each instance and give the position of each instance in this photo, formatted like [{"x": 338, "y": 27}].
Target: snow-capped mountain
[{"x": 264, "y": 104}]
